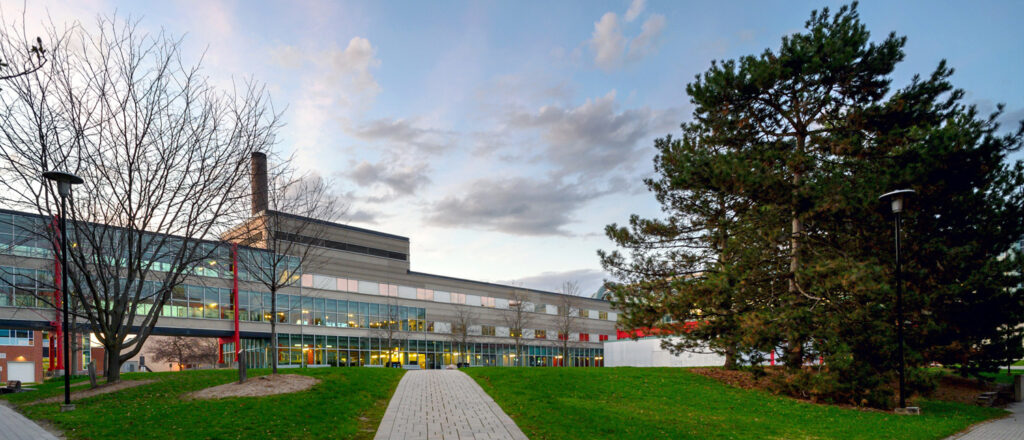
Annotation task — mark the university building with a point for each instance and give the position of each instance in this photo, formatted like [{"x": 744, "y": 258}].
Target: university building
[{"x": 332, "y": 315}]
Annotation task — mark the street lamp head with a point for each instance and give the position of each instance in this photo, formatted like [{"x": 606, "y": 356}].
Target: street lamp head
[
  {"x": 896, "y": 198},
  {"x": 64, "y": 181}
]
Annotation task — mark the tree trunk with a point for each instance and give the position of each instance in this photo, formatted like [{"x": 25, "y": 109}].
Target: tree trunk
[
  {"x": 730, "y": 358},
  {"x": 113, "y": 365},
  {"x": 795, "y": 351},
  {"x": 273, "y": 331}
]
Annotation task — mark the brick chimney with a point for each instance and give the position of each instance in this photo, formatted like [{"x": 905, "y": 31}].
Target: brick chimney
[{"x": 259, "y": 182}]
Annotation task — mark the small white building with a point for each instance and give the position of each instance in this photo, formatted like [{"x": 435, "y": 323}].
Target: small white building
[{"x": 647, "y": 352}]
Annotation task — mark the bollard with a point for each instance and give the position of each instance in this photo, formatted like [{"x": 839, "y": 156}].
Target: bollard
[{"x": 92, "y": 374}]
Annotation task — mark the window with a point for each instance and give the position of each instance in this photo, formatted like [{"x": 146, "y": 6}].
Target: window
[
  {"x": 458, "y": 298},
  {"x": 540, "y": 334},
  {"x": 17, "y": 337},
  {"x": 425, "y": 294},
  {"x": 602, "y": 337},
  {"x": 486, "y": 301},
  {"x": 602, "y": 315},
  {"x": 307, "y": 280},
  {"x": 563, "y": 336},
  {"x": 487, "y": 330},
  {"x": 369, "y": 288},
  {"x": 515, "y": 332},
  {"x": 540, "y": 308},
  {"x": 585, "y": 337}
]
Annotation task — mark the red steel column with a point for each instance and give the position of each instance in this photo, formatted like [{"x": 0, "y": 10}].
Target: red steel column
[
  {"x": 234, "y": 296},
  {"x": 57, "y": 304}
]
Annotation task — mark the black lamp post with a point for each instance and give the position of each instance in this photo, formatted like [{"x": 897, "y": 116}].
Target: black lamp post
[
  {"x": 64, "y": 182},
  {"x": 897, "y": 199}
]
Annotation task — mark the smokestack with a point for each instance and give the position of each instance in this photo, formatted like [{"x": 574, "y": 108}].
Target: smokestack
[{"x": 259, "y": 182}]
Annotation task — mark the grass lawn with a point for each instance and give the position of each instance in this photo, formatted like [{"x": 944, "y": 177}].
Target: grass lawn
[
  {"x": 589, "y": 403},
  {"x": 348, "y": 403},
  {"x": 1002, "y": 377}
]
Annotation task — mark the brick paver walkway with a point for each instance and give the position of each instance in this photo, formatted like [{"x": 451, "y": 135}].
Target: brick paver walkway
[
  {"x": 14, "y": 426},
  {"x": 444, "y": 404},
  {"x": 1008, "y": 428}
]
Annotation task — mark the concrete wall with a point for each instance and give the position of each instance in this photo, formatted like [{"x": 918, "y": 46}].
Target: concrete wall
[{"x": 648, "y": 353}]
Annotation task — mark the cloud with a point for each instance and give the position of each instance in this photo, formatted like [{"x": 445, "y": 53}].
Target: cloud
[
  {"x": 607, "y": 42},
  {"x": 612, "y": 49},
  {"x": 590, "y": 280},
  {"x": 401, "y": 180},
  {"x": 335, "y": 83},
  {"x": 403, "y": 132},
  {"x": 595, "y": 137},
  {"x": 647, "y": 41},
  {"x": 364, "y": 216},
  {"x": 635, "y": 9},
  {"x": 515, "y": 205}
]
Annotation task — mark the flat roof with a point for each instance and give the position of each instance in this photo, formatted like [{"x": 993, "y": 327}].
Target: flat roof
[
  {"x": 504, "y": 286},
  {"x": 339, "y": 225}
]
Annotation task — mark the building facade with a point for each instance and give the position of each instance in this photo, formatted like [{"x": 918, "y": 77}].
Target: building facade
[{"x": 335, "y": 313}]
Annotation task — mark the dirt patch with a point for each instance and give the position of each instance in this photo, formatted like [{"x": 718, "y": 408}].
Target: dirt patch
[
  {"x": 102, "y": 389},
  {"x": 258, "y": 386},
  {"x": 738, "y": 379},
  {"x": 950, "y": 388},
  {"x": 746, "y": 380},
  {"x": 959, "y": 389}
]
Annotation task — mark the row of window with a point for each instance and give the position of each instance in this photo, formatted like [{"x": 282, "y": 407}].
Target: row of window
[
  {"x": 28, "y": 288},
  {"x": 325, "y": 282},
  {"x": 17, "y": 337},
  {"x": 301, "y": 350}
]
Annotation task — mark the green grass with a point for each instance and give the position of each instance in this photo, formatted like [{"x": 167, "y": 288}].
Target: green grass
[
  {"x": 594, "y": 403},
  {"x": 1019, "y": 363},
  {"x": 348, "y": 403},
  {"x": 1001, "y": 376}
]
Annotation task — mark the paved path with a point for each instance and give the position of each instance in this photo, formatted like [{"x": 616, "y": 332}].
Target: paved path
[
  {"x": 444, "y": 404},
  {"x": 1008, "y": 428},
  {"x": 14, "y": 426}
]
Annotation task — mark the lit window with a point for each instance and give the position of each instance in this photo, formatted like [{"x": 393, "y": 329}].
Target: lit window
[
  {"x": 540, "y": 334},
  {"x": 425, "y": 294},
  {"x": 603, "y": 315},
  {"x": 487, "y": 330}
]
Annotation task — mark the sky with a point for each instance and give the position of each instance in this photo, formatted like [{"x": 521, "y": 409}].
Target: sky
[{"x": 502, "y": 137}]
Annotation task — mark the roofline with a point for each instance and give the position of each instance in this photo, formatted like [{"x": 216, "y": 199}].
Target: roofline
[
  {"x": 198, "y": 240},
  {"x": 504, "y": 286},
  {"x": 338, "y": 225}
]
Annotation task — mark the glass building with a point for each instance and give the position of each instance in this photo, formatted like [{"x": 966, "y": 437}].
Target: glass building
[{"x": 358, "y": 304}]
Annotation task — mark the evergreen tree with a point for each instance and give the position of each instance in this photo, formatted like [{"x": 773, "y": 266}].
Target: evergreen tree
[{"x": 776, "y": 237}]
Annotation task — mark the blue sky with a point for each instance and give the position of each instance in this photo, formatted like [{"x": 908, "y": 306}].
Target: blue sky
[{"x": 501, "y": 137}]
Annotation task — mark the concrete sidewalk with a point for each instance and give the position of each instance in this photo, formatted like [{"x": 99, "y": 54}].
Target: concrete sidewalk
[
  {"x": 1007, "y": 428},
  {"x": 14, "y": 426},
  {"x": 444, "y": 404}
]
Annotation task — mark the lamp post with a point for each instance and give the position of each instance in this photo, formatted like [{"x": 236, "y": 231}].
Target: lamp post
[
  {"x": 897, "y": 199},
  {"x": 64, "y": 182}
]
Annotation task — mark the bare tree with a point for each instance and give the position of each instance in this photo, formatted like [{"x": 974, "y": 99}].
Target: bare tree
[
  {"x": 184, "y": 351},
  {"x": 518, "y": 317},
  {"x": 287, "y": 224},
  {"x": 566, "y": 320},
  {"x": 389, "y": 328},
  {"x": 164, "y": 157},
  {"x": 461, "y": 336}
]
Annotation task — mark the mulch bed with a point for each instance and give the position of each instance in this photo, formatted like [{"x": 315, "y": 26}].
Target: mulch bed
[
  {"x": 950, "y": 388},
  {"x": 258, "y": 386}
]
